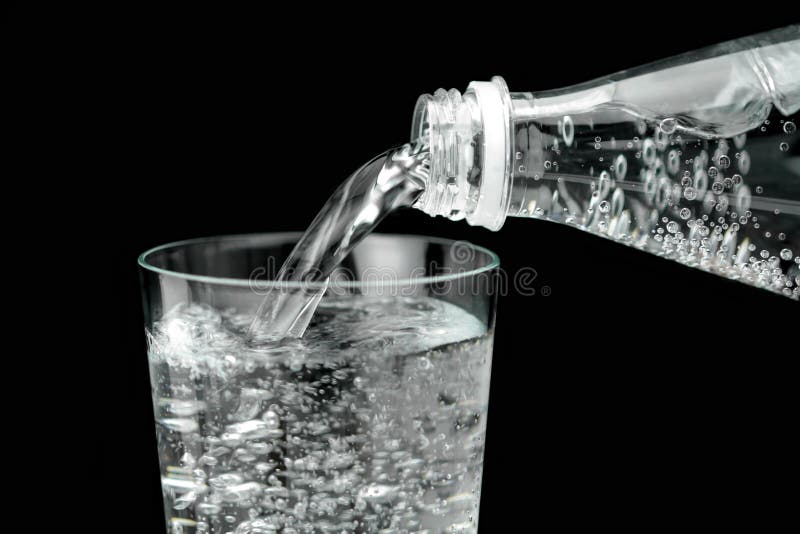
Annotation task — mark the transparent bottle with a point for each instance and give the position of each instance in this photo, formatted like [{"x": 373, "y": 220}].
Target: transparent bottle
[{"x": 694, "y": 158}]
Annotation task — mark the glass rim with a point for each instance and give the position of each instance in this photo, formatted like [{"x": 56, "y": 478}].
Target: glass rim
[{"x": 493, "y": 263}]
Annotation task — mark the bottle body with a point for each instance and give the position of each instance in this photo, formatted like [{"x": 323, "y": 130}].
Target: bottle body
[{"x": 694, "y": 158}]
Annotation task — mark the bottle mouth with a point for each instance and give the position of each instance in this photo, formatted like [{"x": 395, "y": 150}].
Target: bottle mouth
[
  {"x": 469, "y": 139},
  {"x": 433, "y": 129},
  {"x": 420, "y": 125}
]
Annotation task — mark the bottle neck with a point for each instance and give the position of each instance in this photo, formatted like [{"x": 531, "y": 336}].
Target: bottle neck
[{"x": 469, "y": 138}]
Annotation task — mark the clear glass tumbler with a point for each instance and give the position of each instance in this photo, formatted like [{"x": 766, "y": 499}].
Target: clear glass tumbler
[{"x": 373, "y": 422}]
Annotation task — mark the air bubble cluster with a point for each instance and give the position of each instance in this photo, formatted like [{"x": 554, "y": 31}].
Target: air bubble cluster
[{"x": 712, "y": 191}]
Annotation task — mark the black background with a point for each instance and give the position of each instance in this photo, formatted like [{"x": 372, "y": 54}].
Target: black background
[{"x": 637, "y": 393}]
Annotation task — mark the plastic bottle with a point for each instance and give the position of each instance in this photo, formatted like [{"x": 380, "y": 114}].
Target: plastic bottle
[{"x": 694, "y": 158}]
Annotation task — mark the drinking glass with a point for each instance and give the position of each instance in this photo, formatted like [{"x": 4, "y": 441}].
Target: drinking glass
[{"x": 374, "y": 421}]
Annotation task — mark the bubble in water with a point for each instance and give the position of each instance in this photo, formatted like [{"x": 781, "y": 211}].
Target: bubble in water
[
  {"x": 782, "y": 236},
  {"x": 764, "y": 254},
  {"x": 713, "y": 172},
  {"x": 737, "y": 179},
  {"x": 649, "y": 152},
  {"x": 547, "y": 164},
  {"x": 597, "y": 146},
  {"x": 378, "y": 493},
  {"x": 689, "y": 193},
  {"x": 620, "y": 167},
  {"x": 759, "y": 189},
  {"x": 272, "y": 419},
  {"x": 604, "y": 206},
  {"x": 789, "y": 127},
  {"x": 784, "y": 147},
  {"x": 207, "y": 508},
  {"x": 661, "y": 139},
  {"x": 668, "y": 125},
  {"x": 605, "y": 184},
  {"x": 717, "y": 188},
  {"x": 686, "y": 213},
  {"x": 786, "y": 254},
  {"x": 673, "y": 227},
  {"x": 569, "y": 130},
  {"x": 744, "y": 162},
  {"x": 724, "y": 162},
  {"x": 673, "y": 162},
  {"x": 183, "y": 425}
]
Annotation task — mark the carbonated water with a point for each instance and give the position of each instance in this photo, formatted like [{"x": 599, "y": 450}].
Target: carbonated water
[{"x": 360, "y": 426}]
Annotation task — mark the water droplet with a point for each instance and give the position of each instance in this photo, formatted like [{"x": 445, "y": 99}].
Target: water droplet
[
  {"x": 789, "y": 127},
  {"x": 724, "y": 162},
  {"x": 605, "y": 207},
  {"x": 737, "y": 179},
  {"x": 765, "y": 254},
  {"x": 686, "y": 213},
  {"x": 547, "y": 164},
  {"x": 784, "y": 147},
  {"x": 673, "y": 227},
  {"x": 689, "y": 193},
  {"x": 713, "y": 172},
  {"x": 717, "y": 188},
  {"x": 786, "y": 254}
]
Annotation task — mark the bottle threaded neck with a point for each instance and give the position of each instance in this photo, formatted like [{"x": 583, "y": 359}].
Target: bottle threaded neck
[
  {"x": 468, "y": 137},
  {"x": 441, "y": 125}
]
